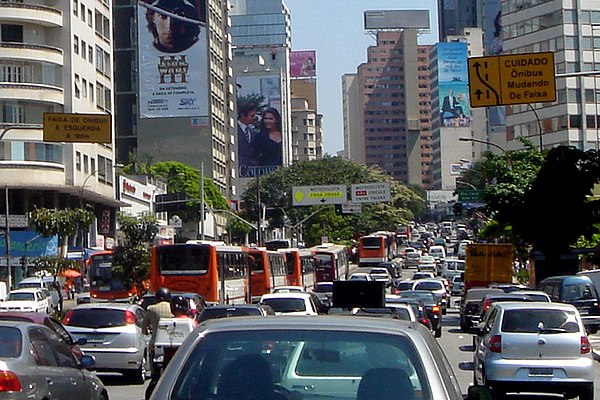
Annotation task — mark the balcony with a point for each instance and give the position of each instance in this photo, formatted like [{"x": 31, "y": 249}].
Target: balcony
[
  {"x": 31, "y": 164},
  {"x": 32, "y": 92},
  {"x": 31, "y": 52},
  {"x": 31, "y": 14}
]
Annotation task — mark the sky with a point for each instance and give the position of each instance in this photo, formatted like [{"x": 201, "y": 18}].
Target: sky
[{"x": 334, "y": 28}]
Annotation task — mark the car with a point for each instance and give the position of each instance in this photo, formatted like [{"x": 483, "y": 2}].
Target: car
[
  {"x": 457, "y": 286},
  {"x": 36, "y": 363},
  {"x": 84, "y": 295},
  {"x": 28, "y": 300},
  {"x": 534, "y": 295},
  {"x": 417, "y": 306},
  {"x": 423, "y": 275},
  {"x": 49, "y": 322},
  {"x": 436, "y": 287},
  {"x": 578, "y": 290},
  {"x": 361, "y": 276},
  {"x": 490, "y": 299},
  {"x": 393, "y": 267},
  {"x": 412, "y": 259},
  {"x": 535, "y": 347},
  {"x": 427, "y": 263},
  {"x": 324, "y": 357},
  {"x": 437, "y": 252},
  {"x": 381, "y": 275},
  {"x": 508, "y": 287},
  {"x": 324, "y": 291},
  {"x": 399, "y": 286},
  {"x": 53, "y": 285},
  {"x": 292, "y": 303},
  {"x": 432, "y": 307},
  {"x": 451, "y": 267},
  {"x": 114, "y": 336},
  {"x": 239, "y": 310},
  {"x": 399, "y": 311},
  {"x": 287, "y": 289},
  {"x": 470, "y": 306},
  {"x": 461, "y": 249}
]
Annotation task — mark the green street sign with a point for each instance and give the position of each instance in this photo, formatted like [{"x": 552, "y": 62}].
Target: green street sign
[{"x": 470, "y": 196}]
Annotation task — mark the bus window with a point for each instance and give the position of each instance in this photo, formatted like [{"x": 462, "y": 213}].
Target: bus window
[
  {"x": 193, "y": 260},
  {"x": 371, "y": 242}
]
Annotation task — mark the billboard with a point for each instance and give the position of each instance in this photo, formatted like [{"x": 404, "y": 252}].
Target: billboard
[
  {"x": 303, "y": 64},
  {"x": 453, "y": 85},
  {"x": 396, "y": 19},
  {"x": 492, "y": 43},
  {"x": 173, "y": 67},
  {"x": 29, "y": 244},
  {"x": 260, "y": 136}
]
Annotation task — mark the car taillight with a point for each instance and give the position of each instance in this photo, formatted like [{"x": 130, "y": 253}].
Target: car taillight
[
  {"x": 496, "y": 344},
  {"x": 9, "y": 382},
  {"x": 435, "y": 309},
  {"x": 444, "y": 295},
  {"x": 585, "y": 345},
  {"x": 130, "y": 318},
  {"x": 67, "y": 318},
  {"x": 424, "y": 321}
]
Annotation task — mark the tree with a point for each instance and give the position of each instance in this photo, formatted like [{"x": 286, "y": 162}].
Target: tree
[
  {"x": 276, "y": 192},
  {"x": 131, "y": 260}
]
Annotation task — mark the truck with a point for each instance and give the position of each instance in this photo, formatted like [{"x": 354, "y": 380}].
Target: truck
[{"x": 488, "y": 263}]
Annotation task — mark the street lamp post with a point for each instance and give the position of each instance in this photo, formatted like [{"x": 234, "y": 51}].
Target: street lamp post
[{"x": 469, "y": 139}]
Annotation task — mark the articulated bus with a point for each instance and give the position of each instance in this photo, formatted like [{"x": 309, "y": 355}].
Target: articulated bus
[
  {"x": 103, "y": 285},
  {"x": 300, "y": 267},
  {"x": 332, "y": 262}
]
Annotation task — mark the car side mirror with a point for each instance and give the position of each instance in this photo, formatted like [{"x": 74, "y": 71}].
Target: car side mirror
[
  {"x": 81, "y": 341},
  {"x": 479, "y": 393},
  {"x": 87, "y": 361}
]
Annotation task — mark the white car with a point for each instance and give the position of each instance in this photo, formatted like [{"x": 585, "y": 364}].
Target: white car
[
  {"x": 26, "y": 300},
  {"x": 288, "y": 289},
  {"x": 381, "y": 275},
  {"x": 292, "y": 303},
  {"x": 361, "y": 276}
]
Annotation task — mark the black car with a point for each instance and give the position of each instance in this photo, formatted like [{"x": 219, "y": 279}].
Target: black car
[
  {"x": 240, "y": 310},
  {"x": 418, "y": 307},
  {"x": 432, "y": 306},
  {"x": 393, "y": 268},
  {"x": 324, "y": 291},
  {"x": 471, "y": 305}
]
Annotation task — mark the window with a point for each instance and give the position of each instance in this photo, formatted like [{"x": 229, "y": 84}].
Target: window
[
  {"x": 77, "y": 84},
  {"x": 83, "y": 12},
  {"x": 13, "y": 113},
  {"x": 83, "y": 49},
  {"x": 91, "y": 91},
  {"x": 75, "y": 7},
  {"x": 85, "y": 164},
  {"x": 90, "y": 18},
  {"x": 42, "y": 349},
  {"x": 84, "y": 88},
  {"x": 12, "y": 33},
  {"x": 76, "y": 44},
  {"x": 90, "y": 54},
  {"x": 78, "y": 161},
  {"x": 11, "y": 73}
]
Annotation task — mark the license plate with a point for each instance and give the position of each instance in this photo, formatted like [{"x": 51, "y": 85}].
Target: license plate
[
  {"x": 541, "y": 371},
  {"x": 95, "y": 338},
  {"x": 584, "y": 311}
]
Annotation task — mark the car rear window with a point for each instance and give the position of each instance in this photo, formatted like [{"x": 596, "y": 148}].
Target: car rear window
[
  {"x": 12, "y": 342},
  {"x": 538, "y": 320},
  {"x": 20, "y": 296},
  {"x": 97, "y": 318},
  {"x": 578, "y": 291},
  {"x": 213, "y": 313},
  {"x": 286, "y": 305},
  {"x": 428, "y": 286},
  {"x": 323, "y": 288}
]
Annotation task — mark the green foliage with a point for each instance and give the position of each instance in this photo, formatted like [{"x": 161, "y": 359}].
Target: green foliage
[
  {"x": 182, "y": 178},
  {"x": 238, "y": 230},
  {"x": 131, "y": 261},
  {"x": 276, "y": 191}
]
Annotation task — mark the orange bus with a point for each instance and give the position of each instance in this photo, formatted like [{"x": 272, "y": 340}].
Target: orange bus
[
  {"x": 216, "y": 271},
  {"x": 300, "y": 268},
  {"x": 372, "y": 250},
  {"x": 103, "y": 285},
  {"x": 332, "y": 262}
]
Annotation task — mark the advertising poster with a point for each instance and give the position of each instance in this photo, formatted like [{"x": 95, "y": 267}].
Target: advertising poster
[
  {"x": 260, "y": 136},
  {"x": 303, "y": 64},
  {"x": 173, "y": 68},
  {"x": 453, "y": 79}
]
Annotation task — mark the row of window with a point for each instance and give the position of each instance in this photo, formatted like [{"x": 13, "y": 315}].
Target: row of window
[
  {"x": 517, "y": 5},
  {"x": 104, "y": 170},
  {"x": 81, "y": 12},
  {"x": 17, "y": 150},
  {"x": 535, "y": 24}
]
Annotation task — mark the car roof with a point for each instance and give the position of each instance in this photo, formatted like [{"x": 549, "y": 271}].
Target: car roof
[
  {"x": 235, "y": 306},
  {"x": 113, "y": 306},
  {"x": 297, "y": 295},
  {"x": 431, "y": 280},
  {"x": 511, "y": 305},
  {"x": 573, "y": 278},
  {"x": 26, "y": 290},
  {"x": 35, "y": 317}
]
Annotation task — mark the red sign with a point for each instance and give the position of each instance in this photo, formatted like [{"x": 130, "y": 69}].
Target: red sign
[{"x": 361, "y": 193}]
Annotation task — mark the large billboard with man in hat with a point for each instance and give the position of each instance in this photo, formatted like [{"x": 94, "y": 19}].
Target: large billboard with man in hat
[{"x": 173, "y": 67}]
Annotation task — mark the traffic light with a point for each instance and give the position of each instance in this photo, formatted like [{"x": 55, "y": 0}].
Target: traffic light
[
  {"x": 457, "y": 208},
  {"x": 338, "y": 209}
]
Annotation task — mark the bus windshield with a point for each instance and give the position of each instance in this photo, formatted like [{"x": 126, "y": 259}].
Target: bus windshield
[
  {"x": 371, "y": 242},
  {"x": 101, "y": 278},
  {"x": 183, "y": 259},
  {"x": 323, "y": 260}
]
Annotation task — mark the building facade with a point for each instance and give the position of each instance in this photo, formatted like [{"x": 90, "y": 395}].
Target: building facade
[{"x": 37, "y": 76}]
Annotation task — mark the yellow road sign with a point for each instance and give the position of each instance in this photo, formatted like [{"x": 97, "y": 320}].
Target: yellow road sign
[
  {"x": 312, "y": 195},
  {"x": 512, "y": 79},
  {"x": 80, "y": 128}
]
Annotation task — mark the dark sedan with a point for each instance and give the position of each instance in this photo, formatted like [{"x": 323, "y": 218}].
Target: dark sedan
[
  {"x": 432, "y": 306},
  {"x": 470, "y": 306},
  {"x": 240, "y": 310}
]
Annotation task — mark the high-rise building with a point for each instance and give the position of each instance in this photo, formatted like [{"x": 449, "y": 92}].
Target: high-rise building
[
  {"x": 456, "y": 15},
  {"x": 37, "y": 76},
  {"x": 572, "y": 32},
  {"x": 391, "y": 95},
  {"x": 261, "y": 37},
  {"x": 174, "y": 101}
]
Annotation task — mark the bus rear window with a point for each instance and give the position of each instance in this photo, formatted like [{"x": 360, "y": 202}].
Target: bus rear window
[
  {"x": 183, "y": 259},
  {"x": 371, "y": 243}
]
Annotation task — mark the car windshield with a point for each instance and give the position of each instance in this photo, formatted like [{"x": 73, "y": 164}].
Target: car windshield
[
  {"x": 12, "y": 342},
  {"x": 334, "y": 364},
  {"x": 319, "y": 288},
  {"x": 579, "y": 291},
  {"x": 218, "y": 312},
  {"x": 429, "y": 286},
  {"x": 286, "y": 304},
  {"x": 538, "y": 320},
  {"x": 20, "y": 296},
  {"x": 404, "y": 285},
  {"x": 97, "y": 318}
]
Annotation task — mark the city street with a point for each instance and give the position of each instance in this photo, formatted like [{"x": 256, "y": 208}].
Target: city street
[{"x": 456, "y": 345}]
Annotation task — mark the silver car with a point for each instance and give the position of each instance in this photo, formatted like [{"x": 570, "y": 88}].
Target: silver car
[
  {"x": 114, "y": 337},
  {"x": 322, "y": 357},
  {"x": 534, "y": 347},
  {"x": 37, "y": 364}
]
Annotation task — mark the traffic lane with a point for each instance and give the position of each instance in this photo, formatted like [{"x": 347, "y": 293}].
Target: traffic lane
[
  {"x": 119, "y": 388},
  {"x": 458, "y": 347}
]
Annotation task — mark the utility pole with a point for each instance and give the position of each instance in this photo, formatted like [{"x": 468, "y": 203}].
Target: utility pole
[
  {"x": 202, "y": 236},
  {"x": 259, "y": 210},
  {"x": 7, "y": 239}
]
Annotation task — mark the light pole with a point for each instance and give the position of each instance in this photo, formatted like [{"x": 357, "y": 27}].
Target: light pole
[
  {"x": 469, "y": 139},
  {"x": 466, "y": 184}
]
